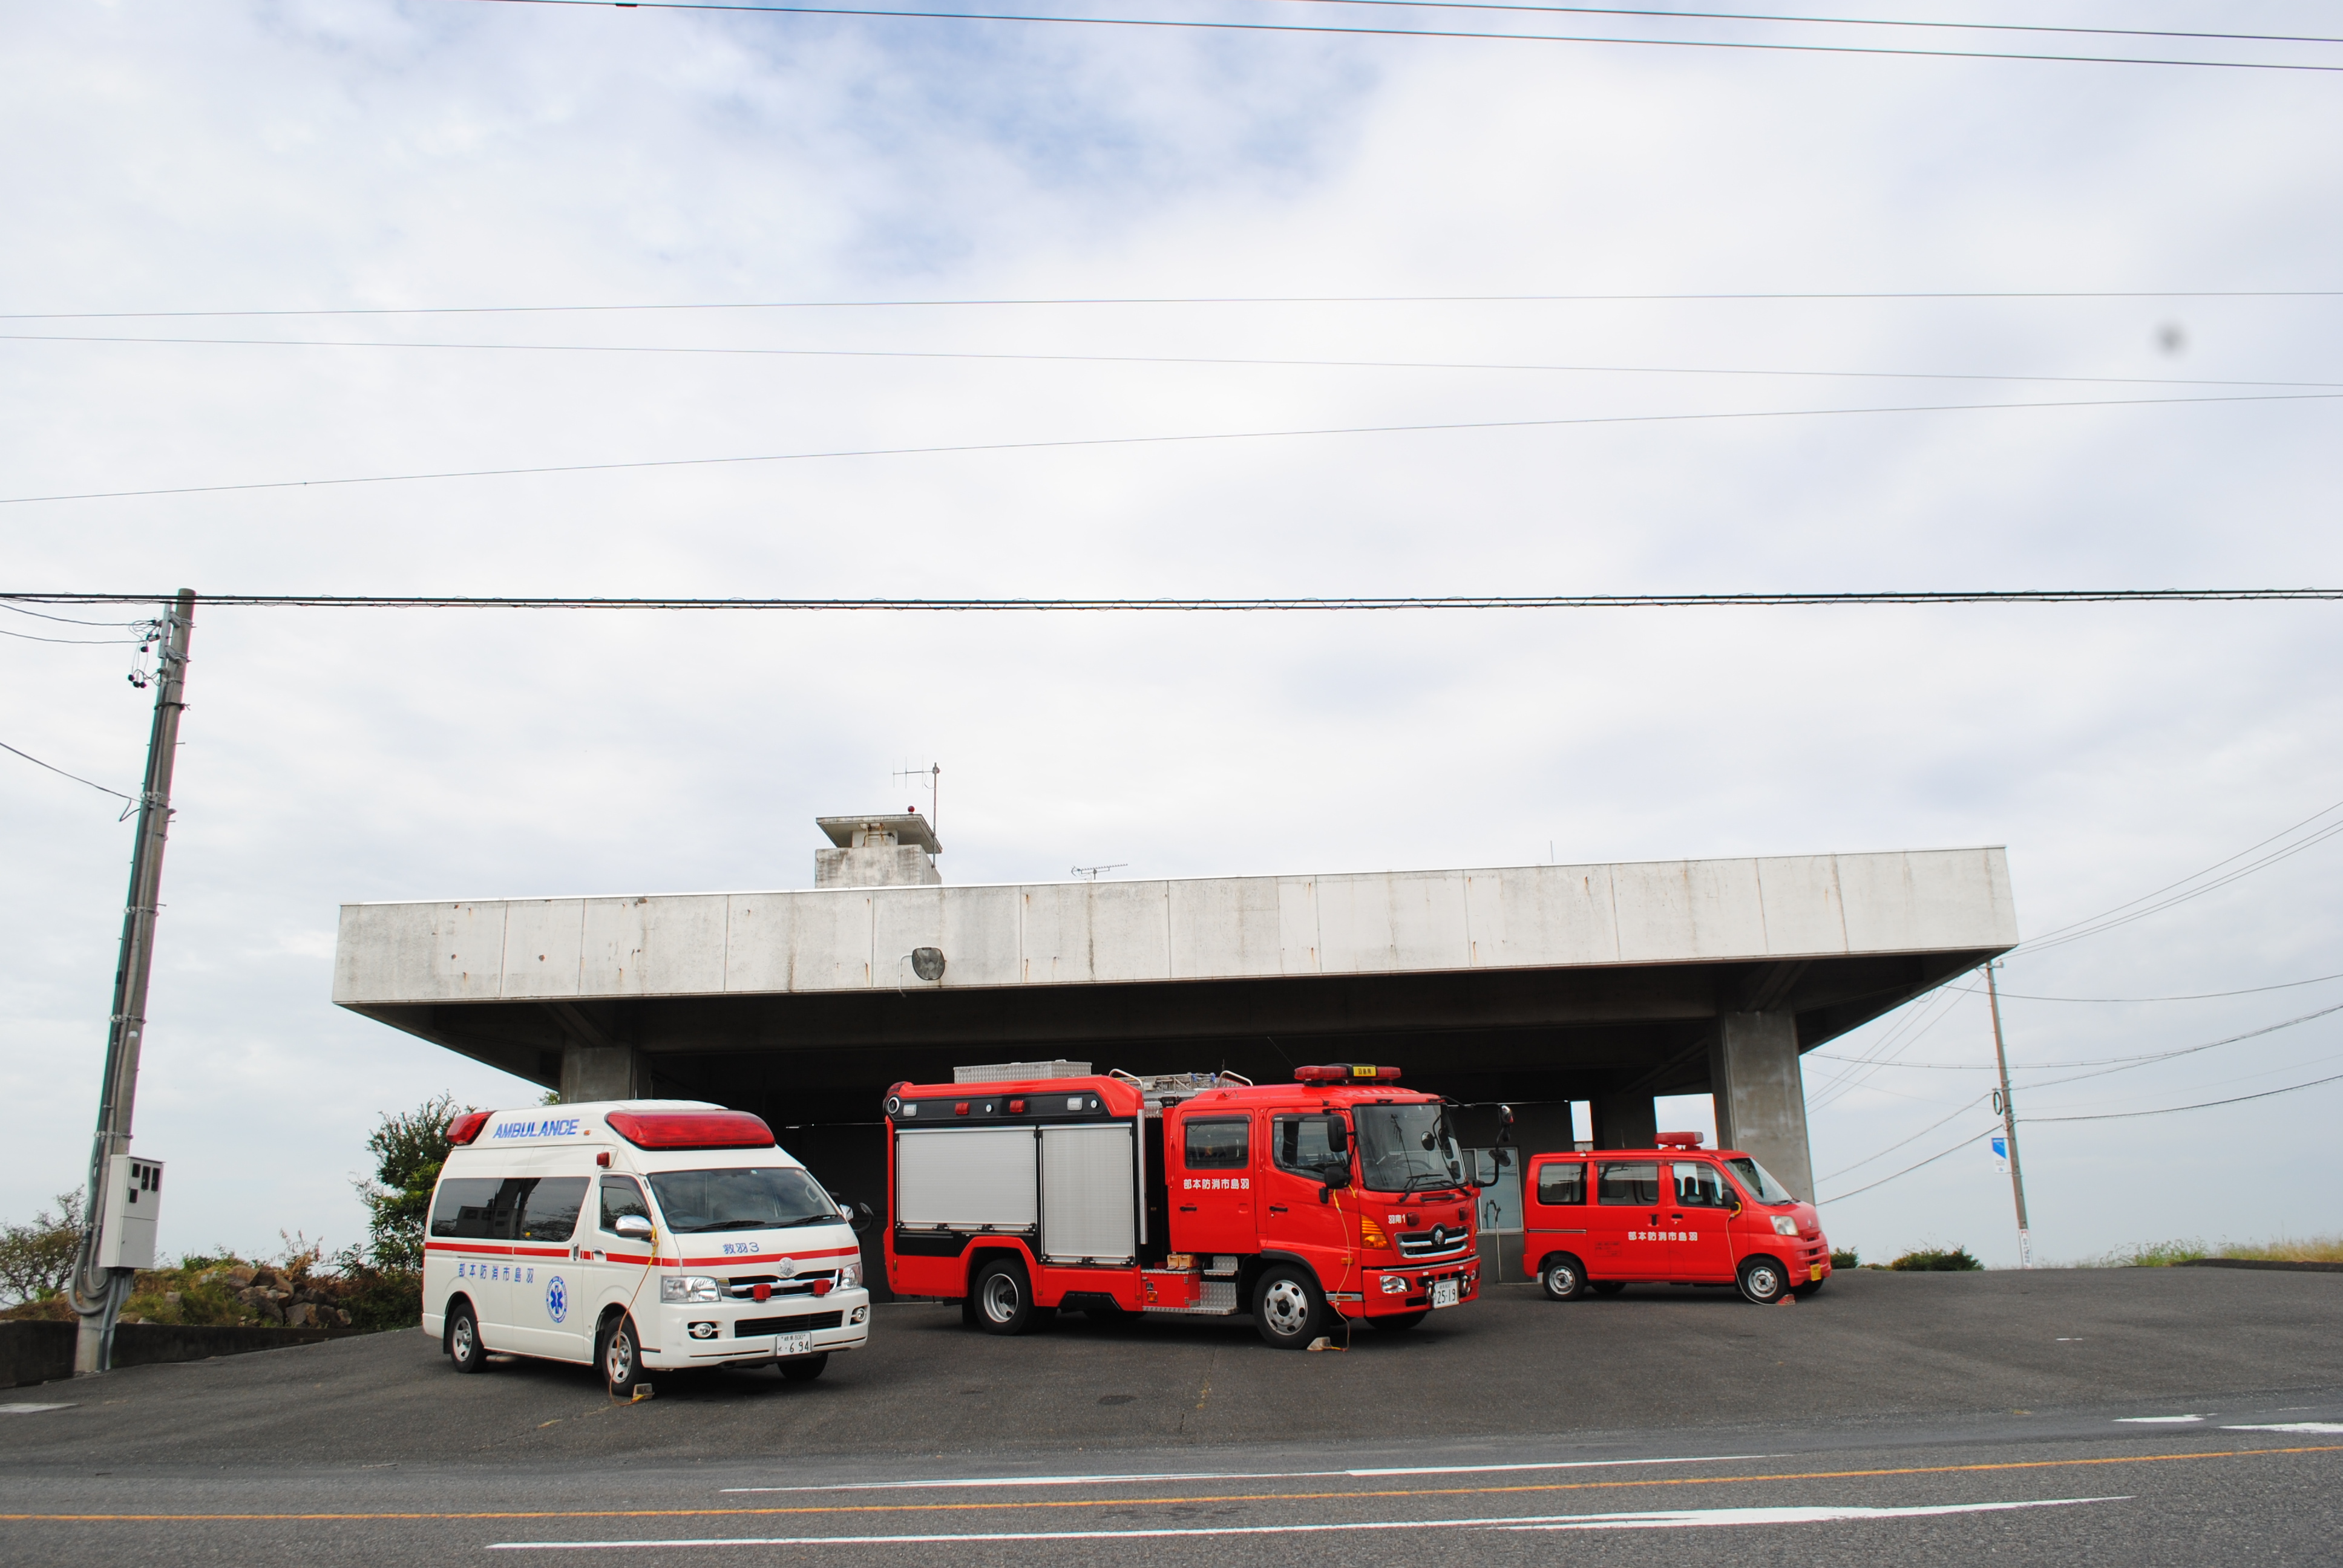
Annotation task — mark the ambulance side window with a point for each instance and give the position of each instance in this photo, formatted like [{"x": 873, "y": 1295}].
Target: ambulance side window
[
  {"x": 466, "y": 1208},
  {"x": 550, "y": 1212},
  {"x": 1219, "y": 1145},
  {"x": 1636, "y": 1186},
  {"x": 1563, "y": 1182},
  {"x": 622, "y": 1196}
]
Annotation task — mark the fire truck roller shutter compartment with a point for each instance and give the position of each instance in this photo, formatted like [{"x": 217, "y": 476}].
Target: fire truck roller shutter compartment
[
  {"x": 1087, "y": 1195},
  {"x": 971, "y": 1179}
]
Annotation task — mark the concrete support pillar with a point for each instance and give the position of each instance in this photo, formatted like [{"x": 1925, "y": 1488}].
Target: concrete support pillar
[
  {"x": 1625, "y": 1122},
  {"x": 1761, "y": 1098},
  {"x": 603, "y": 1072}
]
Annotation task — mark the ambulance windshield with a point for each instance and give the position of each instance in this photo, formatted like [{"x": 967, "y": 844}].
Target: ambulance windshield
[
  {"x": 1759, "y": 1180},
  {"x": 1403, "y": 1148},
  {"x": 767, "y": 1200}
]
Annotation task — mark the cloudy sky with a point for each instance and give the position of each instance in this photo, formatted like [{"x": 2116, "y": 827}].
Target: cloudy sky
[{"x": 445, "y": 156}]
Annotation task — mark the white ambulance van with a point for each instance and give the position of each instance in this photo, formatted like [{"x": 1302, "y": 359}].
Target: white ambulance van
[{"x": 634, "y": 1236}]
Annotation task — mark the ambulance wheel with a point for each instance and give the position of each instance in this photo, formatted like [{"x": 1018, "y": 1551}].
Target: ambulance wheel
[
  {"x": 464, "y": 1346},
  {"x": 1398, "y": 1321},
  {"x": 1004, "y": 1298},
  {"x": 1607, "y": 1287},
  {"x": 620, "y": 1357},
  {"x": 1287, "y": 1308},
  {"x": 804, "y": 1369},
  {"x": 1762, "y": 1281},
  {"x": 1564, "y": 1277}
]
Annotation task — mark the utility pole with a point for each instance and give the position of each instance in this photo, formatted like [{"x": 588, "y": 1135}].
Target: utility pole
[
  {"x": 98, "y": 1293},
  {"x": 2009, "y": 1124}
]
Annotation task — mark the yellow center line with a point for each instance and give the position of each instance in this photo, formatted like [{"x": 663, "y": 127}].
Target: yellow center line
[{"x": 1157, "y": 1501}]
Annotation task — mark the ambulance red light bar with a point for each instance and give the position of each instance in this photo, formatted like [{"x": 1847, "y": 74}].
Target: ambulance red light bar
[
  {"x": 690, "y": 1129},
  {"x": 1346, "y": 1072},
  {"x": 467, "y": 1127},
  {"x": 1679, "y": 1140}
]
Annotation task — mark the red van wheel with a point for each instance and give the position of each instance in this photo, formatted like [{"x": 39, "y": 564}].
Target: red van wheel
[
  {"x": 1762, "y": 1281},
  {"x": 1564, "y": 1277}
]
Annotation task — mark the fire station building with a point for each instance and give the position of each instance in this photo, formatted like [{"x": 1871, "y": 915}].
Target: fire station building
[{"x": 1537, "y": 986}]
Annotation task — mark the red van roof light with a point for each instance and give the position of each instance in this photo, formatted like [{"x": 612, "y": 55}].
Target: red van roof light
[
  {"x": 1680, "y": 1140},
  {"x": 467, "y": 1127},
  {"x": 690, "y": 1129}
]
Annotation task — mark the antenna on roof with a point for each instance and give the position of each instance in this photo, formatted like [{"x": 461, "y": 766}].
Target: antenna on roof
[
  {"x": 930, "y": 779},
  {"x": 1091, "y": 873}
]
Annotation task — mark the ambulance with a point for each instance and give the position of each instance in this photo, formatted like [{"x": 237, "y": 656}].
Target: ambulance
[
  {"x": 1676, "y": 1214},
  {"x": 636, "y": 1236},
  {"x": 1340, "y": 1197}
]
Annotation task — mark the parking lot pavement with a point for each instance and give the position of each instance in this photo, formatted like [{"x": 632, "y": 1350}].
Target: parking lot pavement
[{"x": 2155, "y": 1414}]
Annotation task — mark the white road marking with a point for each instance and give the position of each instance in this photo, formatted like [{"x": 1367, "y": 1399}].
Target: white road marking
[
  {"x": 2291, "y": 1426},
  {"x": 1655, "y": 1520},
  {"x": 1153, "y": 1477},
  {"x": 30, "y": 1409},
  {"x": 2156, "y": 1420}
]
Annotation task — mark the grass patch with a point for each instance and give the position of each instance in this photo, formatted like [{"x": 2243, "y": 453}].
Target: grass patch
[
  {"x": 1936, "y": 1259},
  {"x": 2309, "y": 1250}
]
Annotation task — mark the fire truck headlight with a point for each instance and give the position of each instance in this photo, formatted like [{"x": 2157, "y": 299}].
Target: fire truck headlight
[
  {"x": 849, "y": 1276},
  {"x": 690, "y": 1288},
  {"x": 1783, "y": 1225},
  {"x": 1393, "y": 1285}
]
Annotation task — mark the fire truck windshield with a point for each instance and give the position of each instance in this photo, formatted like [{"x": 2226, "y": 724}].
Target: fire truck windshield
[
  {"x": 1405, "y": 1148},
  {"x": 767, "y": 1200}
]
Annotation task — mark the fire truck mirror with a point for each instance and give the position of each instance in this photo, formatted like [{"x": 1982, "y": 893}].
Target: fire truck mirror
[{"x": 1338, "y": 1139}]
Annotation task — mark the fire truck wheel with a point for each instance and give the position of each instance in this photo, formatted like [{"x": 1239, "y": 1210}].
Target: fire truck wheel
[
  {"x": 1287, "y": 1308},
  {"x": 804, "y": 1369},
  {"x": 1004, "y": 1298},
  {"x": 1564, "y": 1277},
  {"x": 620, "y": 1357},
  {"x": 1398, "y": 1321},
  {"x": 464, "y": 1346},
  {"x": 1608, "y": 1287},
  {"x": 1762, "y": 1280}
]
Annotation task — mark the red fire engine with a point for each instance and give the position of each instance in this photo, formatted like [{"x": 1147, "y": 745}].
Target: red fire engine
[
  {"x": 1200, "y": 1194},
  {"x": 1675, "y": 1214}
]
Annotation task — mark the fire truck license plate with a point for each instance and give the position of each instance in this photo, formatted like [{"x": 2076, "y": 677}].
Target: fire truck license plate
[
  {"x": 1444, "y": 1293},
  {"x": 793, "y": 1344}
]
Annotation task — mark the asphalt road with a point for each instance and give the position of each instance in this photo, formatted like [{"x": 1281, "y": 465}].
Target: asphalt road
[{"x": 2039, "y": 1417}]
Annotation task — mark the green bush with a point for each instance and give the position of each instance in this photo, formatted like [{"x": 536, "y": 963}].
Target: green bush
[
  {"x": 1845, "y": 1257},
  {"x": 37, "y": 1260},
  {"x": 1936, "y": 1259}
]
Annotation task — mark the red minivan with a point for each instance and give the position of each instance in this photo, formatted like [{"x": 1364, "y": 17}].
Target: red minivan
[{"x": 1676, "y": 1215}]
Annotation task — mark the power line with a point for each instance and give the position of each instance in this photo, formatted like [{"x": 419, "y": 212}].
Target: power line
[
  {"x": 2200, "y": 1105},
  {"x": 1081, "y": 300},
  {"x": 1845, "y": 21},
  {"x": 1931, "y": 1159},
  {"x": 1427, "y": 602},
  {"x": 737, "y": 351},
  {"x": 74, "y": 641},
  {"x": 2195, "y": 996},
  {"x": 1900, "y": 1142},
  {"x": 2114, "y": 1063},
  {"x": 1165, "y": 24},
  {"x": 1104, "y": 441},
  {"x": 63, "y": 774},
  {"x": 62, "y": 619}
]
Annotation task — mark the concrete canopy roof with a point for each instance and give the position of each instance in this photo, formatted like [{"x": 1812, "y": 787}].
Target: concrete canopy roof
[{"x": 1562, "y": 981}]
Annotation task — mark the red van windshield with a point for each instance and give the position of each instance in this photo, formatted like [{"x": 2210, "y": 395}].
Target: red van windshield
[{"x": 1759, "y": 1180}]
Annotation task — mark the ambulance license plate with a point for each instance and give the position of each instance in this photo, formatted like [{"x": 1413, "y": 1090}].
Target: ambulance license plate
[
  {"x": 1444, "y": 1293},
  {"x": 1814, "y": 1272},
  {"x": 793, "y": 1344}
]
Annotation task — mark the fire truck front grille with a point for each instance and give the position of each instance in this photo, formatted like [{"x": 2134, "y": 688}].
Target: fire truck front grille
[
  {"x": 751, "y": 1328},
  {"x": 1419, "y": 1248}
]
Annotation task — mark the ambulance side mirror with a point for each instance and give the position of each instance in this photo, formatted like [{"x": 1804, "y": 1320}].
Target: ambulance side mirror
[{"x": 632, "y": 1225}]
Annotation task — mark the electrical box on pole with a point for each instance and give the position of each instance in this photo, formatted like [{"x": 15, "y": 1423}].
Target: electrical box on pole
[{"x": 133, "y": 1202}]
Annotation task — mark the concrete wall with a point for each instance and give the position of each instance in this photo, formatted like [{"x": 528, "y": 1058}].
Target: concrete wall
[{"x": 1076, "y": 933}]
